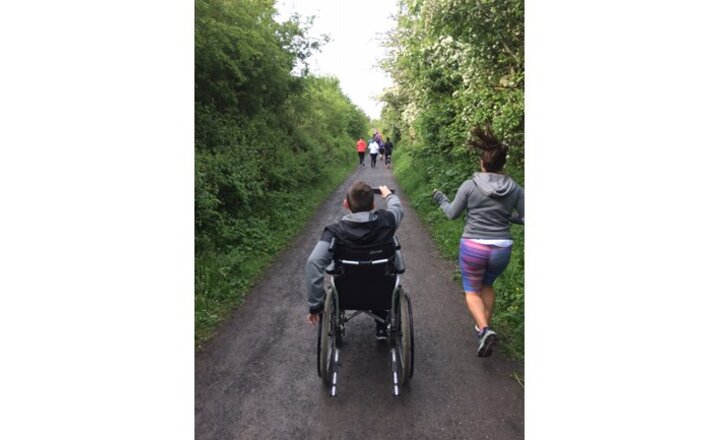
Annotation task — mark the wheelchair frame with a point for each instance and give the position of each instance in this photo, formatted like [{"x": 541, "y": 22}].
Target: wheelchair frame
[{"x": 399, "y": 323}]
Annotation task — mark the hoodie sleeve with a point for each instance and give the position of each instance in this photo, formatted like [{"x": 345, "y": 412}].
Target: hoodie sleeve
[
  {"x": 393, "y": 205},
  {"x": 519, "y": 217},
  {"x": 458, "y": 206},
  {"x": 315, "y": 275}
]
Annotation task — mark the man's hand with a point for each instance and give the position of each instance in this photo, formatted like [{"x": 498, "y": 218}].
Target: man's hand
[
  {"x": 384, "y": 191},
  {"x": 313, "y": 319}
]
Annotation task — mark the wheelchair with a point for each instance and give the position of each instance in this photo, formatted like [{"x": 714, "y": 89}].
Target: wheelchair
[{"x": 363, "y": 280}]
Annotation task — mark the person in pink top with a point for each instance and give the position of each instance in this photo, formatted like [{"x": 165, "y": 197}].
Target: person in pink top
[
  {"x": 377, "y": 137},
  {"x": 361, "y": 146}
]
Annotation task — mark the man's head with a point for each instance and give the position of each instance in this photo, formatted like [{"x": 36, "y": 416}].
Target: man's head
[{"x": 360, "y": 197}]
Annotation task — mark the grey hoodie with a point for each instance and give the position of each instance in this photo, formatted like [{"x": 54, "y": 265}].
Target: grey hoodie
[{"x": 489, "y": 199}]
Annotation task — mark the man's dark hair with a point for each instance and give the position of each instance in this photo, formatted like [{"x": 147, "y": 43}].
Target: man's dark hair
[
  {"x": 492, "y": 152},
  {"x": 360, "y": 197}
]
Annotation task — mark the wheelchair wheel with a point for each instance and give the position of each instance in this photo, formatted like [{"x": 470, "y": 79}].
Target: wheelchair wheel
[
  {"x": 326, "y": 339},
  {"x": 406, "y": 339}
]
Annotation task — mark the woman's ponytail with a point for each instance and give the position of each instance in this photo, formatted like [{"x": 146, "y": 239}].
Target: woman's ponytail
[{"x": 492, "y": 152}]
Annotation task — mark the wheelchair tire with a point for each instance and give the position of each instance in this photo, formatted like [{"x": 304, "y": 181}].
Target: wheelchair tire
[
  {"x": 406, "y": 342},
  {"x": 325, "y": 342}
]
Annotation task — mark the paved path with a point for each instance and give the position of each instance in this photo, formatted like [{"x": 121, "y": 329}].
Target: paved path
[{"x": 258, "y": 380}]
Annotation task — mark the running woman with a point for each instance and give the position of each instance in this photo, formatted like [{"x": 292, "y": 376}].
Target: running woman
[
  {"x": 361, "y": 146},
  {"x": 373, "y": 148},
  {"x": 377, "y": 137},
  {"x": 488, "y": 199}
]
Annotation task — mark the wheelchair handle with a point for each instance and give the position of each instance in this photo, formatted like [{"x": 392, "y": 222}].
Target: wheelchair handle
[{"x": 377, "y": 190}]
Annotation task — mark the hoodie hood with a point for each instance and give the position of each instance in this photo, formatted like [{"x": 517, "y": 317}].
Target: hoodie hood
[
  {"x": 494, "y": 185},
  {"x": 364, "y": 228}
]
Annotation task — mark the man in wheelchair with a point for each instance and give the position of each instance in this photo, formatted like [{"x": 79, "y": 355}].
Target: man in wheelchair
[
  {"x": 362, "y": 255},
  {"x": 364, "y": 226}
]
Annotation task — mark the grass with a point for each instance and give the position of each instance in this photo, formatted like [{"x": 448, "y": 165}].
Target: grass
[
  {"x": 223, "y": 280},
  {"x": 519, "y": 379}
]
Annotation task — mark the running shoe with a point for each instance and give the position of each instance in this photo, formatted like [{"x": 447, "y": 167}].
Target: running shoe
[{"x": 486, "y": 340}]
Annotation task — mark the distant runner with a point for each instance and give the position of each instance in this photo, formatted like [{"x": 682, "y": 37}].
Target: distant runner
[
  {"x": 388, "y": 152},
  {"x": 361, "y": 146},
  {"x": 377, "y": 137},
  {"x": 374, "y": 148}
]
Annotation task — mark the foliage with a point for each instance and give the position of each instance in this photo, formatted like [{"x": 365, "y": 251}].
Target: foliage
[
  {"x": 456, "y": 64},
  {"x": 269, "y": 145}
]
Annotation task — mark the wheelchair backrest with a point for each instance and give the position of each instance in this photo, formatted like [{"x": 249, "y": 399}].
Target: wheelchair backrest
[{"x": 365, "y": 276}]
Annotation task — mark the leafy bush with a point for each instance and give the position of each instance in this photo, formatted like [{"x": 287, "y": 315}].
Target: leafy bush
[{"x": 269, "y": 146}]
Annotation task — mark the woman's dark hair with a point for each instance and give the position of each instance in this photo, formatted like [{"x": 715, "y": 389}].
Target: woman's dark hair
[{"x": 492, "y": 152}]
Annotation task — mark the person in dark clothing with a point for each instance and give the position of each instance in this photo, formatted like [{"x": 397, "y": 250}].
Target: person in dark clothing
[
  {"x": 363, "y": 226},
  {"x": 388, "y": 152},
  {"x": 489, "y": 201}
]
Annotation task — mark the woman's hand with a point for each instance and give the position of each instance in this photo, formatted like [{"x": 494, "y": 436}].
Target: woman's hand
[
  {"x": 384, "y": 191},
  {"x": 313, "y": 318}
]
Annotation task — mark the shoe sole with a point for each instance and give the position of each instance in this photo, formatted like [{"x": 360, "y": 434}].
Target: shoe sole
[{"x": 485, "y": 348}]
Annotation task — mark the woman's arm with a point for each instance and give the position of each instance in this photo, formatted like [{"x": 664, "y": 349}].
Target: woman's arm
[
  {"x": 519, "y": 217},
  {"x": 458, "y": 206}
]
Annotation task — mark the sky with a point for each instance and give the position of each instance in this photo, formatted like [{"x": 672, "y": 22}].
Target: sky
[{"x": 356, "y": 30}]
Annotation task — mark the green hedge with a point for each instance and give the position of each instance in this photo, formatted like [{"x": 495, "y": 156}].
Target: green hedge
[{"x": 270, "y": 144}]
